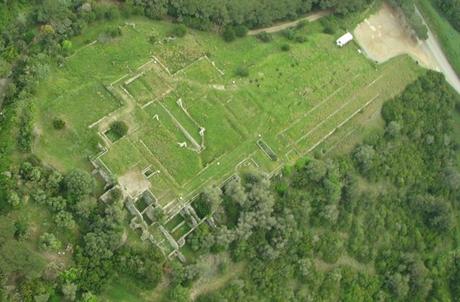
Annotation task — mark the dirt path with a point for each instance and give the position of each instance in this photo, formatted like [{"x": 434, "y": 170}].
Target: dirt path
[
  {"x": 432, "y": 46},
  {"x": 2, "y": 87},
  {"x": 345, "y": 260},
  {"x": 211, "y": 284},
  {"x": 384, "y": 35},
  {"x": 280, "y": 26}
]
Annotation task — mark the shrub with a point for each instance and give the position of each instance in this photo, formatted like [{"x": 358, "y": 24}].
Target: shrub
[
  {"x": 179, "y": 31},
  {"x": 119, "y": 128},
  {"x": 49, "y": 242},
  {"x": 264, "y": 37},
  {"x": 115, "y": 32},
  {"x": 301, "y": 24},
  {"x": 300, "y": 39},
  {"x": 242, "y": 71},
  {"x": 285, "y": 47},
  {"x": 152, "y": 39},
  {"x": 288, "y": 34},
  {"x": 329, "y": 26},
  {"x": 228, "y": 34},
  {"x": 78, "y": 184},
  {"x": 58, "y": 124},
  {"x": 241, "y": 31}
]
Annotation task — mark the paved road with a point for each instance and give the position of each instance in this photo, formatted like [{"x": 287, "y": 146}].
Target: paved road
[
  {"x": 432, "y": 47},
  {"x": 284, "y": 25}
]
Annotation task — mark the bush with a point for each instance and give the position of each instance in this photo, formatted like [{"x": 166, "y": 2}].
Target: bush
[
  {"x": 288, "y": 34},
  {"x": 300, "y": 39},
  {"x": 78, "y": 184},
  {"x": 179, "y": 31},
  {"x": 301, "y": 24},
  {"x": 228, "y": 34},
  {"x": 119, "y": 128},
  {"x": 241, "y": 31},
  {"x": 152, "y": 39},
  {"x": 242, "y": 71},
  {"x": 328, "y": 26},
  {"x": 58, "y": 124},
  {"x": 115, "y": 32},
  {"x": 264, "y": 37},
  {"x": 49, "y": 242},
  {"x": 285, "y": 47}
]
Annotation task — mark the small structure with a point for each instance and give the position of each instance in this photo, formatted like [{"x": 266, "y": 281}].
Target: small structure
[{"x": 344, "y": 40}]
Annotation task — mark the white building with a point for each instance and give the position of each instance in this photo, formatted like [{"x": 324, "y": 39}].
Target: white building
[{"x": 343, "y": 40}]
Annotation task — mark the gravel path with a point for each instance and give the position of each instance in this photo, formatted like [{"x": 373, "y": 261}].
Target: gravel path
[
  {"x": 432, "y": 46},
  {"x": 284, "y": 25}
]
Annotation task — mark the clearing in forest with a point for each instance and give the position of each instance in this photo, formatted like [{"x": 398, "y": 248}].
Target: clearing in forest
[{"x": 192, "y": 121}]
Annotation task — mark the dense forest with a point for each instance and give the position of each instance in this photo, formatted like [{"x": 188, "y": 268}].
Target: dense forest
[
  {"x": 451, "y": 9},
  {"x": 378, "y": 223}
]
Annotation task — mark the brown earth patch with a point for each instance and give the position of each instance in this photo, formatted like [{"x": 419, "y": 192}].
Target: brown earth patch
[{"x": 384, "y": 35}]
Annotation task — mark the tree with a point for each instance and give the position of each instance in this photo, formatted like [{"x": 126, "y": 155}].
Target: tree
[
  {"x": 48, "y": 241},
  {"x": 228, "y": 34},
  {"x": 179, "y": 31},
  {"x": 66, "y": 46},
  {"x": 179, "y": 294},
  {"x": 58, "y": 124},
  {"x": 364, "y": 156},
  {"x": 64, "y": 219},
  {"x": 20, "y": 229},
  {"x": 119, "y": 128},
  {"x": 78, "y": 184},
  {"x": 69, "y": 290},
  {"x": 13, "y": 199},
  {"x": 208, "y": 201},
  {"x": 241, "y": 31},
  {"x": 264, "y": 37},
  {"x": 242, "y": 71},
  {"x": 285, "y": 47}
]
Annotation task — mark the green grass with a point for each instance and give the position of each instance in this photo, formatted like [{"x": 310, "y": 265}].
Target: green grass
[
  {"x": 448, "y": 37},
  {"x": 290, "y": 100}
]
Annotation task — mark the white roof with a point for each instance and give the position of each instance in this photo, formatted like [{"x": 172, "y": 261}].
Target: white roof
[{"x": 344, "y": 39}]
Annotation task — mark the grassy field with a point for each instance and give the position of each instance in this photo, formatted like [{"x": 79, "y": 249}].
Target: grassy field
[
  {"x": 191, "y": 118},
  {"x": 446, "y": 34}
]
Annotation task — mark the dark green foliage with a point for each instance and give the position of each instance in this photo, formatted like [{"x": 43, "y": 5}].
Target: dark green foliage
[
  {"x": 264, "y": 37},
  {"x": 414, "y": 20},
  {"x": 144, "y": 266},
  {"x": 241, "y": 31},
  {"x": 78, "y": 184},
  {"x": 242, "y": 71},
  {"x": 285, "y": 47},
  {"x": 289, "y": 34},
  {"x": 229, "y": 34},
  {"x": 451, "y": 9},
  {"x": 333, "y": 221},
  {"x": 207, "y": 202},
  {"x": 25, "y": 131},
  {"x": 300, "y": 39},
  {"x": 20, "y": 229},
  {"x": 118, "y": 129},
  {"x": 179, "y": 31},
  {"x": 58, "y": 124}
]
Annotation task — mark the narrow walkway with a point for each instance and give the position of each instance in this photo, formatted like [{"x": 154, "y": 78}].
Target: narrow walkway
[
  {"x": 280, "y": 26},
  {"x": 432, "y": 46}
]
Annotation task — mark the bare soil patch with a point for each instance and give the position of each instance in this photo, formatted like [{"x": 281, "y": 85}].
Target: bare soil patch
[
  {"x": 283, "y": 25},
  {"x": 384, "y": 36},
  {"x": 134, "y": 183}
]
